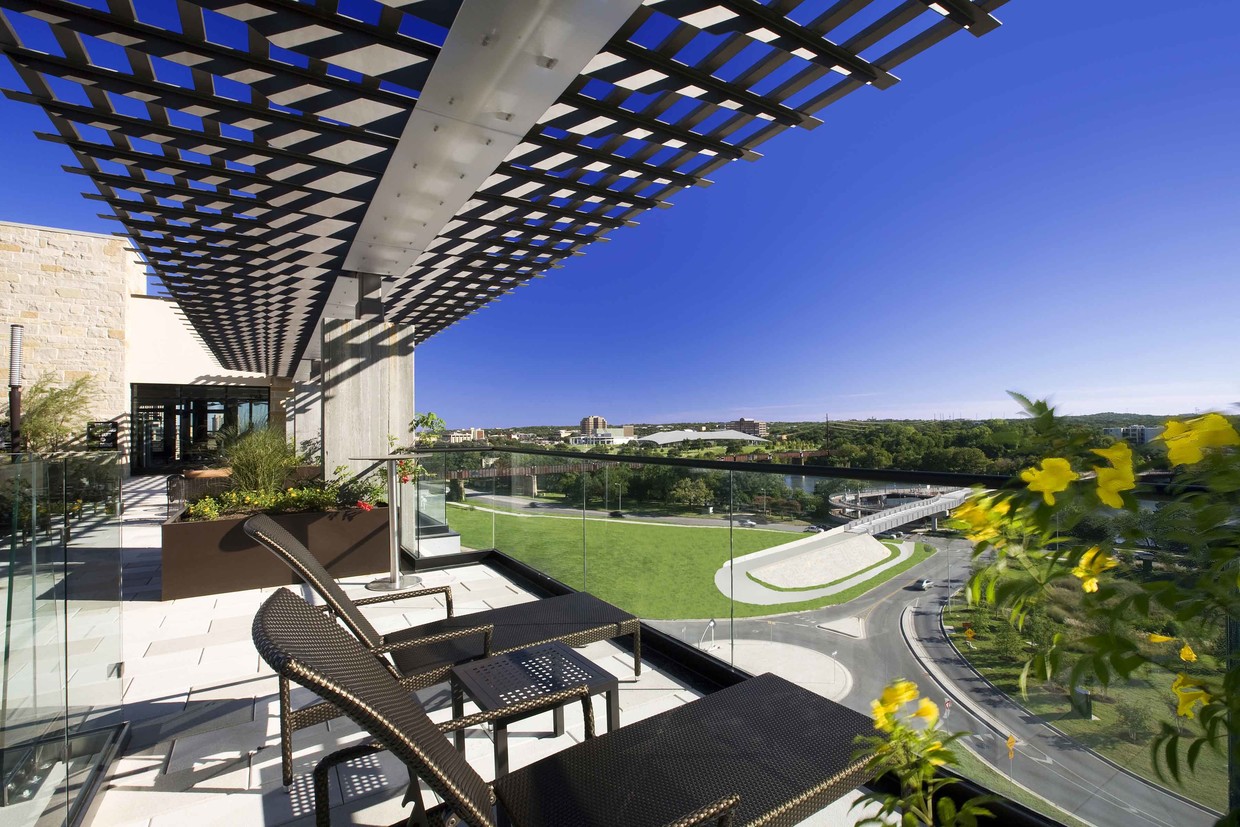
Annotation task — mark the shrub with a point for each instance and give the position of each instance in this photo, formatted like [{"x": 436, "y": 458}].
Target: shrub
[
  {"x": 261, "y": 459},
  {"x": 239, "y": 501},
  {"x": 51, "y": 415}
]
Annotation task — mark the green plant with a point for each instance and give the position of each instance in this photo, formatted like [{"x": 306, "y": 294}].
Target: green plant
[
  {"x": 914, "y": 754},
  {"x": 51, "y": 415},
  {"x": 1032, "y": 527},
  {"x": 261, "y": 459},
  {"x": 241, "y": 501}
]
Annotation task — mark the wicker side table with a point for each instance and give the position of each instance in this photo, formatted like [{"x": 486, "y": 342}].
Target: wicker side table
[{"x": 522, "y": 675}]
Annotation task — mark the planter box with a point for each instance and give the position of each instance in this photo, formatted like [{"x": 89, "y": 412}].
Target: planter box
[{"x": 215, "y": 556}]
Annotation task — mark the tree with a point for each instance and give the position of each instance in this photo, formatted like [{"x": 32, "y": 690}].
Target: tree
[
  {"x": 1134, "y": 719},
  {"x": 52, "y": 415},
  {"x": 690, "y": 491}
]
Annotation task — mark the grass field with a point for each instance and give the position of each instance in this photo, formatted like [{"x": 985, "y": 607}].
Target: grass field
[
  {"x": 659, "y": 572},
  {"x": 1105, "y": 735}
]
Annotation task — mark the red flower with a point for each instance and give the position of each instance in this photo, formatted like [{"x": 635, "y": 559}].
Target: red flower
[
  {"x": 404, "y": 479},
  {"x": 365, "y": 506}
]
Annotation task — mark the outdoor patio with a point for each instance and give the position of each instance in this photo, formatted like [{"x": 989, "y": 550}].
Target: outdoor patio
[{"x": 204, "y": 713}]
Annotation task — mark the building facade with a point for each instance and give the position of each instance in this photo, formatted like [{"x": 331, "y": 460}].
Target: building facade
[
  {"x": 591, "y": 424},
  {"x": 1135, "y": 434},
  {"x": 753, "y": 427}
]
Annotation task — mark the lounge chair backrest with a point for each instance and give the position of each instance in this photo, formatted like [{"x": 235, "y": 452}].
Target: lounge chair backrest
[
  {"x": 302, "y": 644},
  {"x": 297, "y": 557}
]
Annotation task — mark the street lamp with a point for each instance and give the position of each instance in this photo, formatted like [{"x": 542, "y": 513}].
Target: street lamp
[
  {"x": 835, "y": 665},
  {"x": 15, "y": 386},
  {"x": 710, "y": 627}
]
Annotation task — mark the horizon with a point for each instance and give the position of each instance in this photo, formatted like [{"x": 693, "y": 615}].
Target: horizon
[{"x": 724, "y": 421}]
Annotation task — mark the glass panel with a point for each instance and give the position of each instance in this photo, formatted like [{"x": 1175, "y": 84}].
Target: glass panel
[
  {"x": 536, "y": 510},
  {"x": 61, "y": 589},
  {"x": 658, "y": 544},
  {"x": 32, "y": 695},
  {"x": 470, "y": 490}
]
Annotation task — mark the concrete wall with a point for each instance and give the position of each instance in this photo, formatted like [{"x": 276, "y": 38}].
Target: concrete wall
[
  {"x": 161, "y": 349},
  {"x": 68, "y": 289},
  {"x": 367, "y": 389}
]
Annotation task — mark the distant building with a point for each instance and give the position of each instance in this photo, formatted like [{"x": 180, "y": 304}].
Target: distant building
[
  {"x": 1134, "y": 434},
  {"x": 467, "y": 435},
  {"x": 606, "y": 436},
  {"x": 672, "y": 437},
  {"x": 753, "y": 427},
  {"x": 590, "y": 424}
]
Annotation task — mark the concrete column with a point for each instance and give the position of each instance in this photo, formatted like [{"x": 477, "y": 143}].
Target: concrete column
[
  {"x": 279, "y": 409},
  {"x": 367, "y": 389}
]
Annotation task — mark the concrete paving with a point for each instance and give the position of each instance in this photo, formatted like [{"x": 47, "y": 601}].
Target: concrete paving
[{"x": 732, "y": 578}]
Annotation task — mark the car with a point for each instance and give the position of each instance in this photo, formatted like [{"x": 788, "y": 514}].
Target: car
[
  {"x": 925, "y": 585},
  {"x": 813, "y": 529},
  {"x": 531, "y": 504},
  {"x": 615, "y": 514},
  {"x": 746, "y": 523}
]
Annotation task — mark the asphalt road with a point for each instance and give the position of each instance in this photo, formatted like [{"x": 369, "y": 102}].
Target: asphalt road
[
  {"x": 1054, "y": 766},
  {"x": 521, "y": 505}
]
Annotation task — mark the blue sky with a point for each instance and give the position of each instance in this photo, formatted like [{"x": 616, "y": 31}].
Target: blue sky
[{"x": 1050, "y": 208}]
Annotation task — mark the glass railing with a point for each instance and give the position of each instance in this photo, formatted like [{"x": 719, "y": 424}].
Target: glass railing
[
  {"x": 60, "y": 587},
  {"x": 839, "y": 579}
]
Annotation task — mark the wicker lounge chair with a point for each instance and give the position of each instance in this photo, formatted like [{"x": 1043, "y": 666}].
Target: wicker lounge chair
[
  {"x": 424, "y": 655},
  {"x": 763, "y": 751}
]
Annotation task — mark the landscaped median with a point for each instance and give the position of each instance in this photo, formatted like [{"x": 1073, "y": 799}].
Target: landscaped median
[
  {"x": 1125, "y": 715},
  {"x": 657, "y": 571}
]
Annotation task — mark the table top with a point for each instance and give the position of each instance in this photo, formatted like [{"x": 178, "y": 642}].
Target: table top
[
  {"x": 503, "y": 680},
  {"x": 784, "y": 750}
]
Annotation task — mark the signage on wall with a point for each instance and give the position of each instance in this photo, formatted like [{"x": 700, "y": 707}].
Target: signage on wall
[{"x": 101, "y": 436}]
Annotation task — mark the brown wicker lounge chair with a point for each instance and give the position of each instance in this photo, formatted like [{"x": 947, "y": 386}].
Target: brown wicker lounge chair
[
  {"x": 763, "y": 751},
  {"x": 424, "y": 655}
]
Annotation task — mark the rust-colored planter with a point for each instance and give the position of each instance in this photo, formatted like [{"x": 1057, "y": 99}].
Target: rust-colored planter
[{"x": 215, "y": 556}]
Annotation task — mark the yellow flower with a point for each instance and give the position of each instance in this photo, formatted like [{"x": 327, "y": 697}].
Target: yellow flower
[
  {"x": 1157, "y": 638},
  {"x": 933, "y": 753},
  {"x": 1119, "y": 477},
  {"x": 897, "y": 694},
  {"x": 983, "y": 517},
  {"x": 1185, "y": 440},
  {"x": 1093, "y": 563},
  {"x": 1189, "y": 693},
  {"x": 1187, "y": 654},
  {"x": 1052, "y": 477},
  {"x": 882, "y": 717},
  {"x": 928, "y": 711}
]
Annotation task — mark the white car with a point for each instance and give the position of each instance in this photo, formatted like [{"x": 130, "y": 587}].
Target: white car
[{"x": 746, "y": 523}]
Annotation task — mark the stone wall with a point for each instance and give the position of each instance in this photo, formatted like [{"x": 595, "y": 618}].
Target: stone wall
[{"x": 68, "y": 289}]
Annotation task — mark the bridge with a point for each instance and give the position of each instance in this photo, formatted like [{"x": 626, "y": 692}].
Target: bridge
[{"x": 905, "y": 513}]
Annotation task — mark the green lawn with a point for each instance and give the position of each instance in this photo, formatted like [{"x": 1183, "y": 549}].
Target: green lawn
[
  {"x": 1105, "y": 735},
  {"x": 660, "y": 572}
]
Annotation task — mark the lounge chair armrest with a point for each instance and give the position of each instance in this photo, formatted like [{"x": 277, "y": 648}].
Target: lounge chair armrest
[
  {"x": 485, "y": 629},
  {"x": 446, "y": 591},
  {"x": 551, "y": 701},
  {"x": 722, "y": 810}
]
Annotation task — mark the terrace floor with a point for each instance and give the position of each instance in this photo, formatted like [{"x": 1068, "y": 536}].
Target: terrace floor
[{"x": 204, "y": 714}]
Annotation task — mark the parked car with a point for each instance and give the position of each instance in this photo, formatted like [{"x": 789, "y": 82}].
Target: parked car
[
  {"x": 813, "y": 529},
  {"x": 746, "y": 523}
]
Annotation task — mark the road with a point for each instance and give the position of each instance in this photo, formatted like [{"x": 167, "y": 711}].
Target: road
[
  {"x": 521, "y": 505},
  {"x": 1058, "y": 769}
]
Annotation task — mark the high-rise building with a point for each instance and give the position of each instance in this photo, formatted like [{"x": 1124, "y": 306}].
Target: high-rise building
[
  {"x": 753, "y": 427},
  {"x": 1134, "y": 434},
  {"x": 590, "y": 424}
]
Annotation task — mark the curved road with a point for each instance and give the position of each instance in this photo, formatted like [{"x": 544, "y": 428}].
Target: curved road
[{"x": 1056, "y": 768}]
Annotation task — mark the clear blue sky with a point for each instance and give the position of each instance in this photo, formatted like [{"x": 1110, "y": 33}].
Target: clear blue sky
[{"x": 1051, "y": 208}]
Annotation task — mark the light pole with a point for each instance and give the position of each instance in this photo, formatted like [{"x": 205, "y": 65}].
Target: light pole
[
  {"x": 710, "y": 627},
  {"x": 835, "y": 666},
  {"x": 15, "y": 386}
]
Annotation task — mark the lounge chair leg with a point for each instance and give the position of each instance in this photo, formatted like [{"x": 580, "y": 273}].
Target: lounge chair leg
[
  {"x": 637, "y": 652},
  {"x": 286, "y": 733}
]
